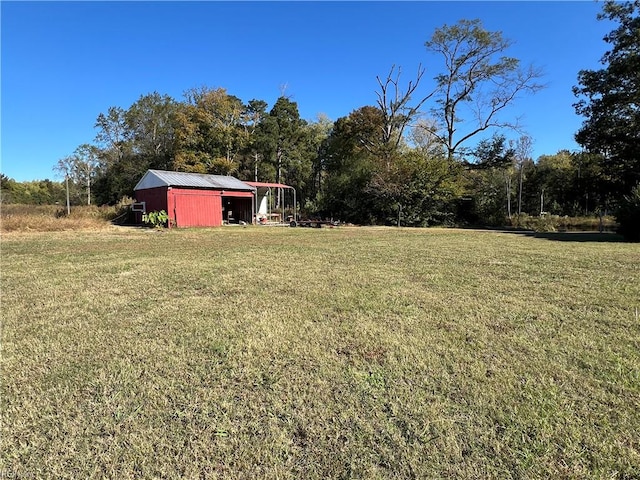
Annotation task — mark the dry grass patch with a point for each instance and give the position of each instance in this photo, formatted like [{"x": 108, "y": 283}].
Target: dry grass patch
[
  {"x": 53, "y": 218},
  {"x": 333, "y": 353}
]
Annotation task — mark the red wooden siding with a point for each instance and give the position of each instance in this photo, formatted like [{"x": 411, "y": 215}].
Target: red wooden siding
[
  {"x": 195, "y": 208},
  {"x": 155, "y": 200}
]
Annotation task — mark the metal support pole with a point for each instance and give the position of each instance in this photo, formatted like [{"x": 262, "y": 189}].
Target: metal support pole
[
  {"x": 295, "y": 206},
  {"x": 253, "y": 206}
]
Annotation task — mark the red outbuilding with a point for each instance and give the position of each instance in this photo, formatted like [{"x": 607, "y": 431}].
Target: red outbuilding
[{"x": 196, "y": 199}]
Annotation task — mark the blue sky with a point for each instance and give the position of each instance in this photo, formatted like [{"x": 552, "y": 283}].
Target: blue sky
[{"x": 63, "y": 63}]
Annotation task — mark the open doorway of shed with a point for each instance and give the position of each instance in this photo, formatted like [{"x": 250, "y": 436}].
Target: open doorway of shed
[{"x": 237, "y": 209}]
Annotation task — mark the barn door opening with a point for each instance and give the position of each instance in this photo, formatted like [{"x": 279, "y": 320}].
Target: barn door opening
[{"x": 237, "y": 209}]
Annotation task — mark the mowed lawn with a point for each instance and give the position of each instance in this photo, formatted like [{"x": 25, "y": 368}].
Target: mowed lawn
[{"x": 248, "y": 353}]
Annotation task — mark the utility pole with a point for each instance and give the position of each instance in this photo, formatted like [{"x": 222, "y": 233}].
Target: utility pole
[{"x": 66, "y": 181}]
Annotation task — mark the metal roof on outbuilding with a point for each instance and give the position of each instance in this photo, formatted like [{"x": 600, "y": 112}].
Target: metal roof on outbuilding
[
  {"x": 269, "y": 185},
  {"x": 162, "y": 178}
]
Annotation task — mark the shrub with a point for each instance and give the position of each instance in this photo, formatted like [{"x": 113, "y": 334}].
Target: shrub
[
  {"x": 554, "y": 223},
  {"x": 628, "y": 216},
  {"x": 156, "y": 219}
]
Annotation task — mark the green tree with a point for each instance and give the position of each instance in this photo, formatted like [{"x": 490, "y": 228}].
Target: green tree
[
  {"x": 7, "y": 189},
  {"x": 78, "y": 170},
  {"x": 590, "y": 185},
  {"x": 471, "y": 95},
  {"x": 209, "y": 132},
  {"x": 36, "y": 192},
  {"x": 111, "y": 136},
  {"x": 118, "y": 180},
  {"x": 566, "y": 183},
  {"x": 628, "y": 215},
  {"x": 609, "y": 98},
  {"x": 118, "y": 171},
  {"x": 318, "y": 133},
  {"x": 150, "y": 128},
  {"x": 349, "y": 165},
  {"x": 557, "y": 176},
  {"x": 492, "y": 153},
  {"x": 417, "y": 186},
  {"x": 254, "y": 113},
  {"x": 86, "y": 163},
  {"x": 192, "y": 149},
  {"x": 55, "y": 191},
  {"x": 492, "y": 177},
  {"x": 284, "y": 142}
]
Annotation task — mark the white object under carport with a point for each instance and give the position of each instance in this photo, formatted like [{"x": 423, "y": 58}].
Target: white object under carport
[{"x": 264, "y": 190}]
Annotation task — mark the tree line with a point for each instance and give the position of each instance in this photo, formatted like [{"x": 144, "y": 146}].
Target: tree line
[{"x": 418, "y": 158}]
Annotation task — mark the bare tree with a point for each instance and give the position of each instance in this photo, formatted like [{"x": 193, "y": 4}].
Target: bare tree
[
  {"x": 397, "y": 113},
  {"x": 478, "y": 81}
]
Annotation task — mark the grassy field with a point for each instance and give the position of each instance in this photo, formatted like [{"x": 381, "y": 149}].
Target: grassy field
[{"x": 307, "y": 354}]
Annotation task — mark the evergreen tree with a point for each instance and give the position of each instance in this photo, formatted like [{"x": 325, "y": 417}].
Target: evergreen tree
[{"x": 610, "y": 101}]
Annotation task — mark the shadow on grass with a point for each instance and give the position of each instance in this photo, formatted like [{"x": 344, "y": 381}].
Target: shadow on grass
[{"x": 573, "y": 236}]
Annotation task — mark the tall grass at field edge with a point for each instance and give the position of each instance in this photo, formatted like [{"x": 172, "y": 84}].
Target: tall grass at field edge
[{"x": 50, "y": 218}]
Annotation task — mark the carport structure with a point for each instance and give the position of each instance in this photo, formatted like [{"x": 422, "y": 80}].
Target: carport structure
[{"x": 263, "y": 195}]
